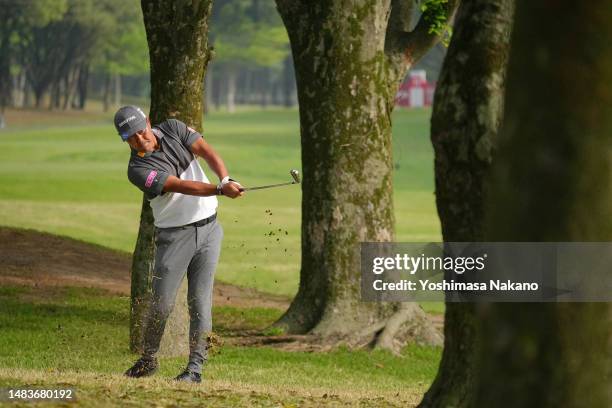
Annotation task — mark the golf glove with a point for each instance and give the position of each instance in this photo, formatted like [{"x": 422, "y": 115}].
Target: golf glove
[{"x": 227, "y": 179}]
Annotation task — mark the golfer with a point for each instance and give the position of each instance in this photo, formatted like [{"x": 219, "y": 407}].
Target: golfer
[{"x": 164, "y": 165}]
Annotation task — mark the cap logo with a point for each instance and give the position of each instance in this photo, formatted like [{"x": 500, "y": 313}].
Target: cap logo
[{"x": 127, "y": 120}]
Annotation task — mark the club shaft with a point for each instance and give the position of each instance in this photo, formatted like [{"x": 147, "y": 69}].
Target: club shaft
[{"x": 268, "y": 186}]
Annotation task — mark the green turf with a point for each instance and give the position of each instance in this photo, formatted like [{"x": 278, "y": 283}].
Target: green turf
[{"x": 77, "y": 330}]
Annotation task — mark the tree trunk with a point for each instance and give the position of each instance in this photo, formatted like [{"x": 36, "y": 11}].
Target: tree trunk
[
  {"x": 70, "y": 86},
  {"x": 5, "y": 69},
  {"x": 466, "y": 115},
  {"x": 217, "y": 84},
  {"x": 38, "y": 97},
  {"x": 107, "y": 92},
  {"x": 553, "y": 182},
  {"x": 348, "y": 67},
  {"x": 82, "y": 86},
  {"x": 208, "y": 90},
  {"x": 179, "y": 55},
  {"x": 231, "y": 77},
  {"x": 247, "y": 87},
  {"x": 264, "y": 87},
  {"x": 54, "y": 97},
  {"x": 27, "y": 92},
  {"x": 117, "y": 93},
  {"x": 20, "y": 90},
  {"x": 65, "y": 96}
]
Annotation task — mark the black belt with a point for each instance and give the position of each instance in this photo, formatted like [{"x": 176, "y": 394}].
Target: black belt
[{"x": 203, "y": 222}]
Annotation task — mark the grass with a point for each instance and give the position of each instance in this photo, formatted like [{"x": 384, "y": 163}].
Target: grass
[
  {"x": 66, "y": 174},
  {"x": 63, "y": 176},
  {"x": 78, "y": 337}
]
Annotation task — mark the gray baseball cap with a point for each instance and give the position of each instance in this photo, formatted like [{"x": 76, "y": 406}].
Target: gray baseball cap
[{"x": 129, "y": 120}]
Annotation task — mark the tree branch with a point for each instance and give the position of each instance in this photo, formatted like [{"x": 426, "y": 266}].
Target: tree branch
[{"x": 412, "y": 45}]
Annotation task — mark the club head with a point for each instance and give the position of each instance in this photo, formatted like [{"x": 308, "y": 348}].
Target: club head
[{"x": 296, "y": 176}]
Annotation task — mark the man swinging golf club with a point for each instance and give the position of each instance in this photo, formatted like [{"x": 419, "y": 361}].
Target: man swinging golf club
[{"x": 164, "y": 165}]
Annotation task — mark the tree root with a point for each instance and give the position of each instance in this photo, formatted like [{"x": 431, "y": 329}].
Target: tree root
[{"x": 409, "y": 323}]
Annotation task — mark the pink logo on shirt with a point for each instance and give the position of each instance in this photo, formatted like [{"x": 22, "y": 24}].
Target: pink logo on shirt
[{"x": 150, "y": 178}]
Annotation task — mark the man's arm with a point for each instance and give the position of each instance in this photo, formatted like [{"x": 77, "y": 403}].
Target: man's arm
[
  {"x": 214, "y": 161},
  {"x": 174, "y": 184},
  {"x": 197, "y": 188}
]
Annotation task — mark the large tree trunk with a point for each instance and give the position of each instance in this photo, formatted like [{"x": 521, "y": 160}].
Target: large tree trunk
[
  {"x": 349, "y": 62},
  {"x": 466, "y": 116},
  {"x": 179, "y": 55},
  {"x": 553, "y": 182}
]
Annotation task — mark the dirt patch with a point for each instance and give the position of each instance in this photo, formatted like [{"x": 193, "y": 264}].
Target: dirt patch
[
  {"x": 50, "y": 262},
  {"x": 38, "y": 259}
]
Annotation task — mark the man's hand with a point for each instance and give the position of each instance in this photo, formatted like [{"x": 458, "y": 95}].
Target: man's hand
[{"x": 232, "y": 189}]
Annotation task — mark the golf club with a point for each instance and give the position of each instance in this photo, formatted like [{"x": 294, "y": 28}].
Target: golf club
[{"x": 295, "y": 175}]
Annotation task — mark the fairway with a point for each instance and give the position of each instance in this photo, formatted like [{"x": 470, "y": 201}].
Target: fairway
[{"x": 71, "y": 180}]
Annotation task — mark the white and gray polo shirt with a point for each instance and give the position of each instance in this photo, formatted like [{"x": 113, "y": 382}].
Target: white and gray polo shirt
[{"x": 149, "y": 171}]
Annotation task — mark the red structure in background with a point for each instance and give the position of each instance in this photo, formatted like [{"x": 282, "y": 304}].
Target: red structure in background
[{"x": 415, "y": 91}]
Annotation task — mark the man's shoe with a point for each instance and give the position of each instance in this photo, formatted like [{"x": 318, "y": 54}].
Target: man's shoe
[
  {"x": 144, "y": 367},
  {"x": 189, "y": 376}
]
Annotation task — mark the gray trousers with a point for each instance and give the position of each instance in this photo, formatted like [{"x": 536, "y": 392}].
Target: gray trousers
[{"x": 194, "y": 250}]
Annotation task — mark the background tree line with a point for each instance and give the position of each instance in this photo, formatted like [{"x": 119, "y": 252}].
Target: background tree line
[{"x": 57, "y": 54}]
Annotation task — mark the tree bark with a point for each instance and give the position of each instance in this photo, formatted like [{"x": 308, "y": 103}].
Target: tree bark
[
  {"x": 177, "y": 34},
  {"x": 466, "y": 115},
  {"x": 349, "y": 62},
  {"x": 553, "y": 182}
]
